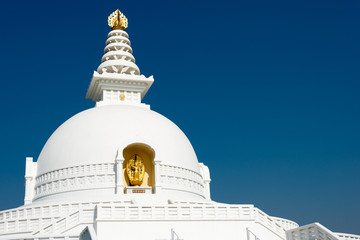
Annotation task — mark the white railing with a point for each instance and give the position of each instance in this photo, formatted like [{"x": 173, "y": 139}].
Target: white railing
[
  {"x": 42, "y": 221},
  {"x": 192, "y": 202},
  {"x": 173, "y": 177},
  {"x": 346, "y": 236},
  {"x": 285, "y": 223},
  {"x": 76, "y": 177},
  {"x": 314, "y": 231},
  {"x": 269, "y": 222},
  {"x": 176, "y": 212},
  {"x": 83, "y": 216},
  {"x": 81, "y": 170},
  {"x": 29, "y": 219},
  {"x": 189, "y": 213}
]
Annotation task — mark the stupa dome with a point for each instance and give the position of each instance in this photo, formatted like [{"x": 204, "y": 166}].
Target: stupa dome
[{"x": 96, "y": 137}]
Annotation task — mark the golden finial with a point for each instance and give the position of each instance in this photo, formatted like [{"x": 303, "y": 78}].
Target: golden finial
[{"x": 117, "y": 20}]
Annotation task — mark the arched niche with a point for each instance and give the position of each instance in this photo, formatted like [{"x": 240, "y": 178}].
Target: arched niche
[{"x": 147, "y": 154}]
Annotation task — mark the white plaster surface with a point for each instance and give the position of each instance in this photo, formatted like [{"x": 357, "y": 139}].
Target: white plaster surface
[{"x": 84, "y": 149}]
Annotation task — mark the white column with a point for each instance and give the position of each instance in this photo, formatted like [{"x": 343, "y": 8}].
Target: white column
[
  {"x": 119, "y": 175},
  {"x": 157, "y": 188},
  {"x": 207, "y": 189},
  {"x": 28, "y": 198},
  {"x": 30, "y": 175},
  {"x": 206, "y": 180}
]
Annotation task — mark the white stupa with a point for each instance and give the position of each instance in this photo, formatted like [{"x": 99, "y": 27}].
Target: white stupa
[{"x": 122, "y": 171}]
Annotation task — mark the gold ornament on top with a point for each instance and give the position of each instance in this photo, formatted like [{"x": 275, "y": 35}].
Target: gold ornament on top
[
  {"x": 117, "y": 20},
  {"x": 135, "y": 170}
]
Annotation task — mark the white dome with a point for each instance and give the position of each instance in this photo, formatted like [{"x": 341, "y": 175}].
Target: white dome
[{"x": 94, "y": 137}]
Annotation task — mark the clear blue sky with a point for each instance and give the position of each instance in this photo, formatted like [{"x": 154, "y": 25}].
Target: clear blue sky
[{"x": 266, "y": 91}]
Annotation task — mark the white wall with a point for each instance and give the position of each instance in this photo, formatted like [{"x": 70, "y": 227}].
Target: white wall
[{"x": 187, "y": 230}]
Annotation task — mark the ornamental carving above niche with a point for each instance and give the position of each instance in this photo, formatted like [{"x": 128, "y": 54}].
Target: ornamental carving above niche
[{"x": 135, "y": 170}]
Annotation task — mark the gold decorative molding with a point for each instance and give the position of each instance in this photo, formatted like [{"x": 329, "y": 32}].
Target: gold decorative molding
[{"x": 117, "y": 20}]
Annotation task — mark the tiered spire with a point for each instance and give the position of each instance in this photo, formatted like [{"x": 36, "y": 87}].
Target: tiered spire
[
  {"x": 117, "y": 79},
  {"x": 118, "y": 56}
]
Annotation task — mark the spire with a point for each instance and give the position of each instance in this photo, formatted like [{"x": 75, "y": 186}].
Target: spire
[
  {"x": 117, "y": 20},
  {"x": 117, "y": 80}
]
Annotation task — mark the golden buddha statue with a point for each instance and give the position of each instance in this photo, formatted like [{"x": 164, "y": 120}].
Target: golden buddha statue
[{"x": 135, "y": 170}]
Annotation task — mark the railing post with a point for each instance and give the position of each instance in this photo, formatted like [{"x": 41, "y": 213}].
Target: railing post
[
  {"x": 112, "y": 212},
  {"x": 27, "y": 224},
  {"x": 157, "y": 186},
  {"x": 17, "y": 225},
  {"x": 80, "y": 215},
  {"x": 119, "y": 174},
  {"x": 41, "y": 224},
  {"x": 66, "y": 223}
]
